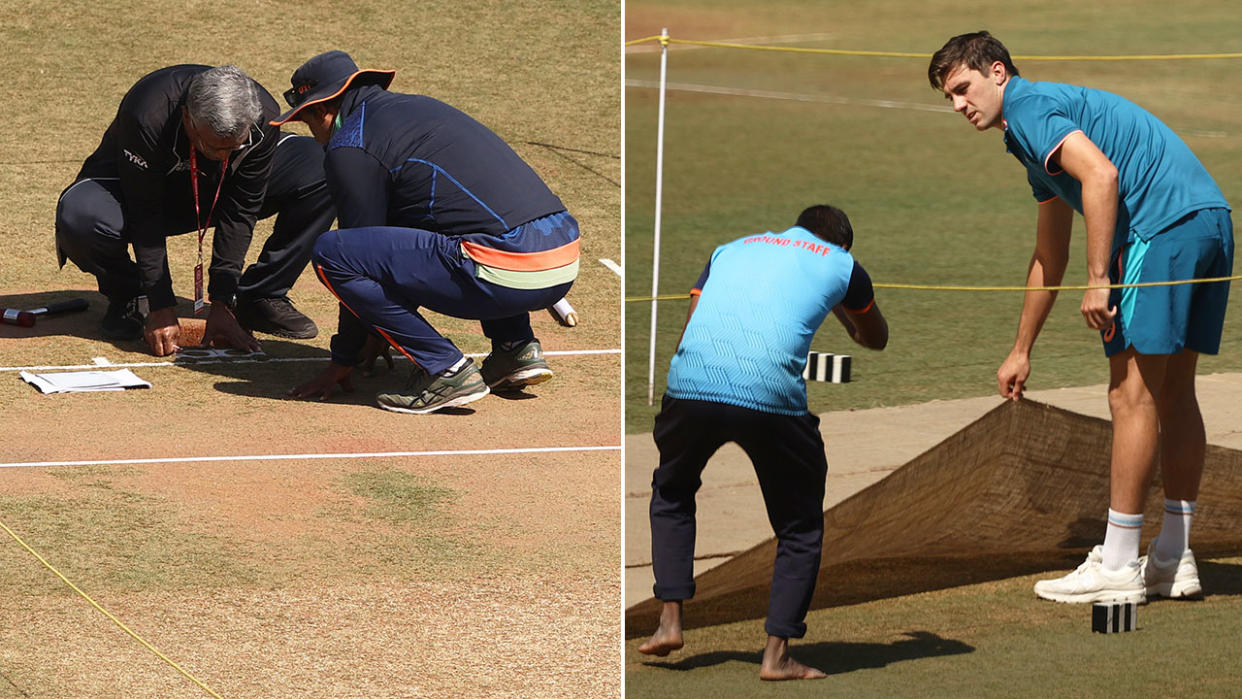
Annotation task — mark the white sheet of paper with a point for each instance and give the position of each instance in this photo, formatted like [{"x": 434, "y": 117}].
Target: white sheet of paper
[{"x": 82, "y": 381}]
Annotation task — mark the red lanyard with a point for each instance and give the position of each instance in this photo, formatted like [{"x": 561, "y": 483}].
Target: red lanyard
[{"x": 204, "y": 225}]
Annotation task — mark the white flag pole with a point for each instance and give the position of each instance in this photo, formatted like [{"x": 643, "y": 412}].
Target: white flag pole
[{"x": 655, "y": 261}]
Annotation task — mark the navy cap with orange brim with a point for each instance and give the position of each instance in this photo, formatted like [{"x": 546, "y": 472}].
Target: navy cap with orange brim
[{"x": 324, "y": 78}]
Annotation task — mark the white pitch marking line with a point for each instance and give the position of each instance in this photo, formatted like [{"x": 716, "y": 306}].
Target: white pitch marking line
[
  {"x": 140, "y": 365},
  {"x": 792, "y": 96},
  {"x": 298, "y": 457},
  {"x": 611, "y": 265}
]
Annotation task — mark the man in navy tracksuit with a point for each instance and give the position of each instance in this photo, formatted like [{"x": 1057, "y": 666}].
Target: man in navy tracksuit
[
  {"x": 138, "y": 187},
  {"x": 435, "y": 211}
]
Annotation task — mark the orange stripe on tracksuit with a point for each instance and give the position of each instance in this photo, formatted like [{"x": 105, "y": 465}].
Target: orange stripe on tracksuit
[
  {"x": 523, "y": 261},
  {"x": 324, "y": 279}
]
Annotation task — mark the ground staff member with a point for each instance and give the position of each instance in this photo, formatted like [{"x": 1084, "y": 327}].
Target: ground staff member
[
  {"x": 435, "y": 211},
  {"x": 158, "y": 172},
  {"x": 1152, "y": 214},
  {"x": 737, "y": 376}
]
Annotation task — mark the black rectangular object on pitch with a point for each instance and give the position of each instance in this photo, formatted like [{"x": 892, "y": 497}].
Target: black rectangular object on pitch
[{"x": 1114, "y": 617}]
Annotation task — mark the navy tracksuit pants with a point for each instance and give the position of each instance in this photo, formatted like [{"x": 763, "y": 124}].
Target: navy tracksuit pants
[
  {"x": 385, "y": 274},
  {"x": 788, "y": 456}
]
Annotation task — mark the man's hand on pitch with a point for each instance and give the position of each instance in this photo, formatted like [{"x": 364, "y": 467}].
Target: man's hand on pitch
[
  {"x": 162, "y": 331},
  {"x": 223, "y": 330},
  {"x": 321, "y": 386},
  {"x": 1095, "y": 309},
  {"x": 1012, "y": 375}
]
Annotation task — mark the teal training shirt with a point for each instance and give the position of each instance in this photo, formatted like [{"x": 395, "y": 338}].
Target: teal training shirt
[
  {"x": 762, "y": 299},
  {"x": 1159, "y": 180}
]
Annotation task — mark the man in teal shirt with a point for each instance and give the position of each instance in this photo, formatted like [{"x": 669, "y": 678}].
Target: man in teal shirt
[{"x": 1153, "y": 214}]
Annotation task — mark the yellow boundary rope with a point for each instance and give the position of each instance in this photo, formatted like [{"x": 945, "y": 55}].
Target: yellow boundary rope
[
  {"x": 902, "y": 54},
  {"x": 930, "y": 287},
  {"x": 105, "y": 612}
]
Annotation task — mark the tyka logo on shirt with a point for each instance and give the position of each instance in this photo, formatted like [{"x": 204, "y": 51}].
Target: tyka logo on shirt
[{"x": 135, "y": 159}]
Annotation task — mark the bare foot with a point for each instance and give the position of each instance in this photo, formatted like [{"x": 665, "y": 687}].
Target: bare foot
[
  {"x": 661, "y": 643},
  {"x": 778, "y": 665},
  {"x": 667, "y": 638}
]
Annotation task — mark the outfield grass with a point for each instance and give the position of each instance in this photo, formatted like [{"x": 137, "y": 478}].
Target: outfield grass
[{"x": 931, "y": 201}]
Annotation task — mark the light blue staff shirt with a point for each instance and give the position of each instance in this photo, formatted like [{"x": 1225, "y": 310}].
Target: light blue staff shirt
[{"x": 762, "y": 299}]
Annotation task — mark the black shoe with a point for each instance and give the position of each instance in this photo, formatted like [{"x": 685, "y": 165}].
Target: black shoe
[
  {"x": 275, "y": 316},
  {"x": 123, "y": 320}
]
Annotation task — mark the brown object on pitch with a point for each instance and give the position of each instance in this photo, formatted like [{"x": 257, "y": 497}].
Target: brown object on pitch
[{"x": 192, "y": 330}]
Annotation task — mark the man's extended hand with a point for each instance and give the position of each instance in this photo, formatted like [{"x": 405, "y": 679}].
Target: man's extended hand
[
  {"x": 162, "y": 331},
  {"x": 1012, "y": 375},
  {"x": 1095, "y": 309},
  {"x": 322, "y": 385},
  {"x": 223, "y": 330}
]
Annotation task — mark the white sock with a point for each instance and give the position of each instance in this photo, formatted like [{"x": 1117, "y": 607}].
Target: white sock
[
  {"x": 1175, "y": 531},
  {"x": 458, "y": 364},
  {"x": 1121, "y": 540}
]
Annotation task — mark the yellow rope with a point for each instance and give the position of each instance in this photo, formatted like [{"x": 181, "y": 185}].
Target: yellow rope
[
  {"x": 904, "y": 54},
  {"x": 645, "y": 39},
  {"x": 931, "y": 287},
  {"x": 116, "y": 621}
]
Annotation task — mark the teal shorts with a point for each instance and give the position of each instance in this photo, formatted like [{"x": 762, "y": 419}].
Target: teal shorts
[{"x": 1168, "y": 319}]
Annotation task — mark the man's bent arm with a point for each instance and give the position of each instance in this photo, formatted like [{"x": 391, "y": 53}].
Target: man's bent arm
[
  {"x": 867, "y": 327},
  {"x": 1079, "y": 157},
  {"x": 859, "y": 313},
  {"x": 359, "y": 186}
]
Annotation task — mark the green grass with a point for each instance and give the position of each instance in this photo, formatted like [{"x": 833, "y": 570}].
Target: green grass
[
  {"x": 378, "y": 523},
  {"x": 411, "y": 535},
  {"x": 397, "y": 497},
  {"x": 931, "y": 201},
  {"x": 109, "y": 538},
  {"x": 992, "y": 639}
]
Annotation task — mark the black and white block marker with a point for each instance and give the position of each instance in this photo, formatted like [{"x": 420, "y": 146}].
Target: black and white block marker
[
  {"x": 1114, "y": 617},
  {"x": 825, "y": 366}
]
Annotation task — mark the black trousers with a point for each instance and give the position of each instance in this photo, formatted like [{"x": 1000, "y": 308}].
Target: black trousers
[
  {"x": 788, "y": 455},
  {"x": 90, "y": 225}
]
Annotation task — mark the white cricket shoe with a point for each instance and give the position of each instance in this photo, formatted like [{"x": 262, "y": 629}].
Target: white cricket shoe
[
  {"x": 1174, "y": 578},
  {"x": 1092, "y": 582}
]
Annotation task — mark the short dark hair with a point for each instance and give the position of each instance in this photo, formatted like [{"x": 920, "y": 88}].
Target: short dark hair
[
  {"x": 828, "y": 223},
  {"x": 978, "y": 51}
]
